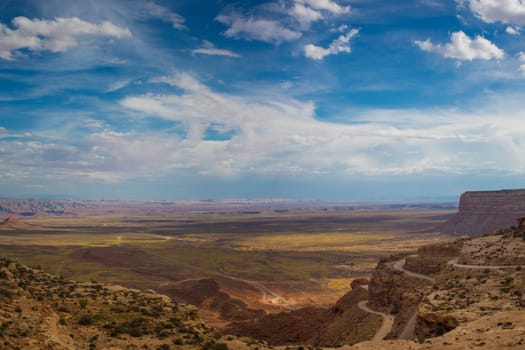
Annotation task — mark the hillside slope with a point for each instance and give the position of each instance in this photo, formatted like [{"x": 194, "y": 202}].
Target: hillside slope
[{"x": 42, "y": 311}]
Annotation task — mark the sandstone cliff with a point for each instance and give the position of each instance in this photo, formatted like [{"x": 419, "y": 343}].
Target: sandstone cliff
[{"x": 485, "y": 211}]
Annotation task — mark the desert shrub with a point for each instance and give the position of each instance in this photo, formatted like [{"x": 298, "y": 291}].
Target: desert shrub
[
  {"x": 136, "y": 327},
  {"x": 85, "y": 320},
  {"x": 83, "y": 303},
  {"x": 163, "y": 347},
  {"x": 220, "y": 346},
  {"x": 63, "y": 308}
]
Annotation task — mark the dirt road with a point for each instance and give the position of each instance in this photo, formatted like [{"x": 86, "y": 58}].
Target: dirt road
[
  {"x": 454, "y": 262},
  {"x": 399, "y": 266},
  {"x": 409, "y": 331},
  {"x": 386, "y": 326}
]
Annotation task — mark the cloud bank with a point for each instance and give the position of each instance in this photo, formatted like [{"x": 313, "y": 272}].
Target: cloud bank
[{"x": 56, "y": 35}]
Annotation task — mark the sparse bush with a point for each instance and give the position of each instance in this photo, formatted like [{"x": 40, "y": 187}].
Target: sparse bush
[
  {"x": 220, "y": 346},
  {"x": 83, "y": 303},
  {"x": 86, "y": 320},
  {"x": 63, "y": 308}
]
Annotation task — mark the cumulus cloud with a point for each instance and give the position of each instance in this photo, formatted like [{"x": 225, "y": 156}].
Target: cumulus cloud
[
  {"x": 512, "y": 31},
  {"x": 209, "y": 48},
  {"x": 327, "y": 5},
  {"x": 339, "y": 45},
  {"x": 251, "y": 28},
  {"x": 305, "y": 15},
  {"x": 163, "y": 13},
  {"x": 505, "y": 11},
  {"x": 56, "y": 35},
  {"x": 308, "y": 11},
  {"x": 462, "y": 47}
]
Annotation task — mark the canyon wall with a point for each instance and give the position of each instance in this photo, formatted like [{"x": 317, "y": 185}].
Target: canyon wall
[{"x": 485, "y": 211}]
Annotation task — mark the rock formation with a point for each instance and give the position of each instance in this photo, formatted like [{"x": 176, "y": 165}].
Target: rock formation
[
  {"x": 485, "y": 211},
  {"x": 344, "y": 323},
  {"x": 12, "y": 223}
]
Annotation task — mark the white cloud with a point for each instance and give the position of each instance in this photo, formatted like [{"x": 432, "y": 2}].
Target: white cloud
[
  {"x": 308, "y": 11},
  {"x": 208, "y": 48},
  {"x": 278, "y": 136},
  {"x": 284, "y": 136},
  {"x": 326, "y": 5},
  {"x": 56, "y": 35},
  {"x": 117, "y": 85},
  {"x": 341, "y": 44},
  {"x": 462, "y": 47},
  {"x": 305, "y": 15},
  {"x": 521, "y": 58},
  {"x": 512, "y": 31},
  {"x": 163, "y": 13},
  {"x": 506, "y": 11},
  {"x": 257, "y": 29}
]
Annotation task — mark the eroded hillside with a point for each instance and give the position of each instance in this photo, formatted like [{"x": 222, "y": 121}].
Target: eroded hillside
[
  {"x": 470, "y": 295},
  {"x": 43, "y": 311}
]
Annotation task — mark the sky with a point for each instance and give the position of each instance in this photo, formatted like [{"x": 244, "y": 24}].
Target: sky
[{"x": 306, "y": 99}]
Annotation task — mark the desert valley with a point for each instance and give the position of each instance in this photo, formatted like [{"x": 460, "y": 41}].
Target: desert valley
[
  {"x": 262, "y": 274},
  {"x": 262, "y": 174}
]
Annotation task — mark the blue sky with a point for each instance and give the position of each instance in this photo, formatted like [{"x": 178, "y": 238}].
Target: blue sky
[{"x": 325, "y": 99}]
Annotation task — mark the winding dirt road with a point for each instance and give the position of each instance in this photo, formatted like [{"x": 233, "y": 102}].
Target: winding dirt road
[
  {"x": 399, "y": 266},
  {"x": 386, "y": 326},
  {"x": 409, "y": 331},
  {"x": 454, "y": 262}
]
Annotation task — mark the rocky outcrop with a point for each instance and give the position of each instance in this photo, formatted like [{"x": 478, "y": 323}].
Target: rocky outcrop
[
  {"x": 13, "y": 223},
  {"x": 206, "y": 294},
  {"x": 425, "y": 266},
  {"x": 434, "y": 324},
  {"x": 441, "y": 250},
  {"x": 482, "y": 212}
]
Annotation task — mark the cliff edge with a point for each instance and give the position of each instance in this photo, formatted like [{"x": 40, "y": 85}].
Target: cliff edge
[{"x": 482, "y": 212}]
